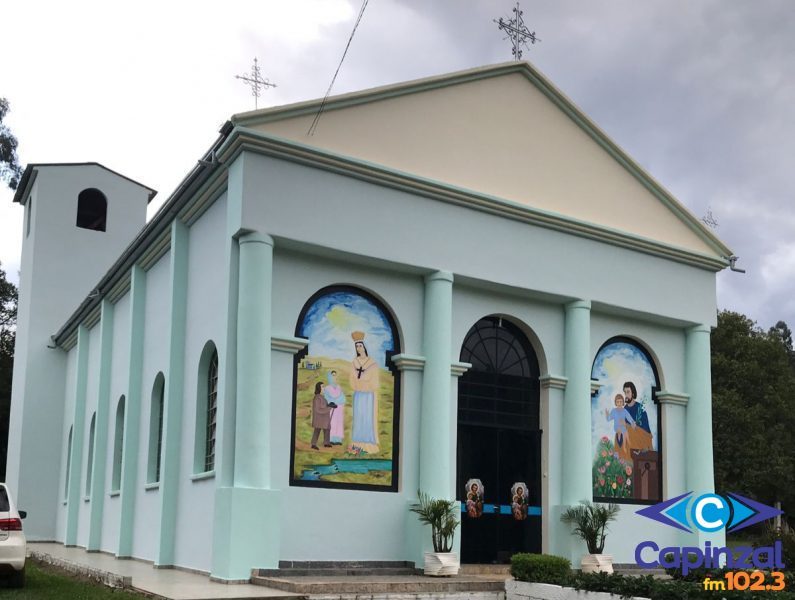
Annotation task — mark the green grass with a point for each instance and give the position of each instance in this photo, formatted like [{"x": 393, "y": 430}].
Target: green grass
[
  {"x": 47, "y": 583},
  {"x": 305, "y": 456}
]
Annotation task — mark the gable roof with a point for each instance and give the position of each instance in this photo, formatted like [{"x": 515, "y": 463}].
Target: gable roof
[{"x": 501, "y": 130}]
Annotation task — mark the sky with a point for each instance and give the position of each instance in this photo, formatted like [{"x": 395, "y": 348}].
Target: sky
[
  {"x": 331, "y": 320},
  {"x": 701, "y": 93}
]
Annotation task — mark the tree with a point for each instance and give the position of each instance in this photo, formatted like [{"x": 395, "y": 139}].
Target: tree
[
  {"x": 10, "y": 169},
  {"x": 753, "y": 409},
  {"x": 8, "y": 321},
  {"x": 783, "y": 333}
]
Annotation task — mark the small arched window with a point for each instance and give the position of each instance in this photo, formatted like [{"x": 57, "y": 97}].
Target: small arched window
[
  {"x": 118, "y": 446},
  {"x": 92, "y": 209},
  {"x": 68, "y": 464},
  {"x": 206, "y": 410},
  {"x": 156, "y": 429},
  {"x": 90, "y": 464}
]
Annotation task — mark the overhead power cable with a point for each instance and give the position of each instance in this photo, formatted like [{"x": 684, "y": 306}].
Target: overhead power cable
[{"x": 313, "y": 126}]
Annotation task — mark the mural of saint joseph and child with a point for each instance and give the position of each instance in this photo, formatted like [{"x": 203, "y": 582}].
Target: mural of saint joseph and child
[
  {"x": 345, "y": 411},
  {"x": 624, "y": 424}
]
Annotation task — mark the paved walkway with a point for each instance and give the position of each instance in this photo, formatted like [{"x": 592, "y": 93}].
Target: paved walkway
[{"x": 171, "y": 584}]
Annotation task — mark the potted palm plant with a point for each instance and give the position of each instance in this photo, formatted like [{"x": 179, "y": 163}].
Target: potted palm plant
[
  {"x": 590, "y": 523},
  {"x": 442, "y": 516}
]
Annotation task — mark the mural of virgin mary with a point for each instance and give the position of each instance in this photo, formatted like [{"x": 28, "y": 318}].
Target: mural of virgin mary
[{"x": 364, "y": 382}]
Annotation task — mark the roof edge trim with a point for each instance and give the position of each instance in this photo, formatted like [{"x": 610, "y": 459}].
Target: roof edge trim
[{"x": 30, "y": 170}]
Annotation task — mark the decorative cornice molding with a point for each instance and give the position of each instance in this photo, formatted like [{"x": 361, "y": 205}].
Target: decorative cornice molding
[
  {"x": 243, "y": 139},
  {"x": 674, "y": 398},
  {"x": 459, "y": 368},
  {"x": 291, "y": 345},
  {"x": 556, "y": 382},
  {"x": 409, "y": 362},
  {"x": 595, "y": 386}
]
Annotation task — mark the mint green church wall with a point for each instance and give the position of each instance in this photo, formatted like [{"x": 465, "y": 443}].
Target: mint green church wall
[
  {"x": 91, "y": 400},
  {"x": 68, "y": 391},
  {"x": 386, "y": 225},
  {"x": 328, "y": 229},
  {"x": 155, "y": 359},
  {"x": 206, "y": 300},
  {"x": 666, "y": 344},
  {"x": 333, "y": 524},
  {"x": 385, "y": 229},
  {"x": 120, "y": 362}
]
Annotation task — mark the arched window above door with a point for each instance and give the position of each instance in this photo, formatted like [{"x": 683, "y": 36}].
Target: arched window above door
[{"x": 501, "y": 388}]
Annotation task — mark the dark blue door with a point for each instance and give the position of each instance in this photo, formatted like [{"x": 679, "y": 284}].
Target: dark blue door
[{"x": 499, "y": 444}]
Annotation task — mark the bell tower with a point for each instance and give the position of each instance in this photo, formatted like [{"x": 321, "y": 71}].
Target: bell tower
[{"x": 79, "y": 218}]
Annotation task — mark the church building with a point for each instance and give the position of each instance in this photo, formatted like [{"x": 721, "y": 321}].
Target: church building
[{"x": 457, "y": 285}]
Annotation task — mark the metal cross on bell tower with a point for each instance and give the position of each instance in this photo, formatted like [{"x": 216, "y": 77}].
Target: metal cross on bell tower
[
  {"x": 518, "y": 33},
  {"x": 255, "y": 80}
]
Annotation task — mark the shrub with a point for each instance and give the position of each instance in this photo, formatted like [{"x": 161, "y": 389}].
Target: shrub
[
  {"x": 786, "y": 535},
  {"x": 590, "y": 523},
  {"x": 541, "y": 568},
  {"x": 441, "y": 515},
  {"x": 647, "y": 586}
]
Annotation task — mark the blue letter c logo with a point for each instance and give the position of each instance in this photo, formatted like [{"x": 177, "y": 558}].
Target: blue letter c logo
[{"x": 710, "y": 512}]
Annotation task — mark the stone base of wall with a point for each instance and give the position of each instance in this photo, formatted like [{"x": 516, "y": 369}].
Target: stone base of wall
[
  {"x": 522, "y": 590},
  {"x": 113, "y": 580},
  {"x": 421, "y": 596}
]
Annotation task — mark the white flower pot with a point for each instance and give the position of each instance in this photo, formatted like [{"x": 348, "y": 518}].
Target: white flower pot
[
  {"x": 441, "y": 564},
  {"x": 597, "y": 563}
]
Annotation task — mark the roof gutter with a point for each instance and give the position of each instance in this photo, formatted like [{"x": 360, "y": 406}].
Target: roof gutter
[{"x": 205, "y": 166}]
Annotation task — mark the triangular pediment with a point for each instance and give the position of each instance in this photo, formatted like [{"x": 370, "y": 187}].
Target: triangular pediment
[{"x": 504, "y": 131}]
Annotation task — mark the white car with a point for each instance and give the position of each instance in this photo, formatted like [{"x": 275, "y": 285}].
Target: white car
[{"x": 13, "y": 546}]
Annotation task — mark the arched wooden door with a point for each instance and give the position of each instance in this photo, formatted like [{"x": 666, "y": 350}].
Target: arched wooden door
[{"x": 499, "y": 444}]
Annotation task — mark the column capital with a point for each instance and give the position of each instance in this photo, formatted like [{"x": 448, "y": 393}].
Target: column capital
[
  {"x": 439, "y": 276},
  {"x": 457, "y": 369},
  {"x": 409, "y": 362},
  {"x": 253, "y": 237},
  {"x": 586, "y": 304},
  {"x": 674, "y": 398},
  {"x": 288, "y": 344},
  {"x": 700, "y": 329},
  {"x": 557, "y": 382}
]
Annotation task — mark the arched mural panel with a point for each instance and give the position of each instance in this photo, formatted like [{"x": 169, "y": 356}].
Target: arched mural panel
[
  {"x": 625, "y": 424},
  {"x": 346, "y": 393}
]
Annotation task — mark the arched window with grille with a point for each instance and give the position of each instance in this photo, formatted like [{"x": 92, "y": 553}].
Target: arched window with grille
[
  {"x": 206, "y": 411},
  {"x": 156, "y": 429},
  {"x": 68, "y": 463},
  {"x": 118, "y": 446},
  {"x": 90, "y": 463}
]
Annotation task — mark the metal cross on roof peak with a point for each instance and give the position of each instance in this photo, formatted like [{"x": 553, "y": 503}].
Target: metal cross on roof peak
[
  {"x": 518, "y": 33},
  {"x": 255, "y": 80}
]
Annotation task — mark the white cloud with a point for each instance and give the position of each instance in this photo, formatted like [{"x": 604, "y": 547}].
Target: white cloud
[{"x": 699, "y": 93}]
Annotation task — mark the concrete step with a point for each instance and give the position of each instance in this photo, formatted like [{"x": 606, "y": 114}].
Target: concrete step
[
  {"x": 335, "y": 572},
  {"x": 486, "y": 569},
  {"x": 345, "y": 564},
  {"x": 405, "y": 584},
  {"x": 361, "y": 568}
]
